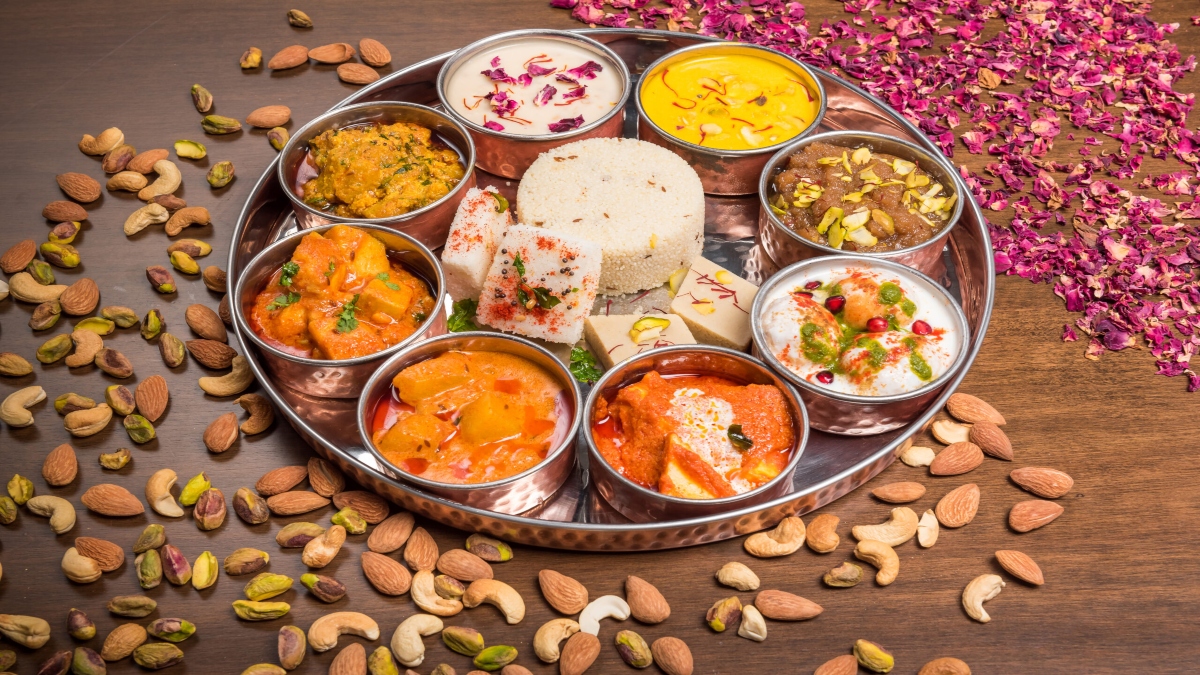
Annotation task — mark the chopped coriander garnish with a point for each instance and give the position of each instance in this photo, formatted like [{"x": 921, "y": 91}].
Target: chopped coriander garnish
[
  {"x": 583, "y": 366},
  {"x": 418, "y": 316},
  {"x": 283, "y": 301},
  {"x": 346, "y": 321},
  {"x": 382, "y": 276},
  {"x": 290, "y": 270},
  {"x": 332, "y": 267},
  {"x": 463, "y": 317},
  {"x": 392, "y": 285},
  {"x": 739, "y": 440},
  {"x": 519, "y": 264}
]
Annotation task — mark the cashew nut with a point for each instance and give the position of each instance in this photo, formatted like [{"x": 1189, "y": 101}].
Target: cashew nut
[
  {"x": 232, "y": 383},
  {"x": 87, "y": 344},
  {"x": 822, "y": 536},
  {"x": 736, "y": 575},
  {"x": 501, "y": 596},
  {"x": 406, "y": 641},
  {"x": 950, "y": 432},
  {"x": 130, "y": 181},
  {"x": 59, "y": 510},
  {"x": 25, "y": 288},
  {"x": 150, "y": 214},
  {"x": 898, "y": 529},
  {"x": 262, "y": 413},
  {"x": 29, "y": 631},
  {"x": 785, "y": 539},
  {"x": 79, "y": 568},
  {"x": 547, "y": 638},
  {"x": 158, "y": 493},
  {"x": 603, "y": 607},
  {"x": 3, "y": 289},
  {"x": 189, "y": 215},
  {"x": 424, "y": 594},
  {"x": 927, "y": 529},
  {"x": 882, "y": 557},
  {"x": 981, "y": 589},
  {"x": 323, "y": 634},
  {"x": 88, "y": 422},
  {"x": 322, "y": 549},
  {"x": 98, "y": 145},
  {"x": 13, "y": 411},
  {"x": 918, "y": 455},
  {"x": 168, "y": 181},
  {"x": 754, "y": 626}
]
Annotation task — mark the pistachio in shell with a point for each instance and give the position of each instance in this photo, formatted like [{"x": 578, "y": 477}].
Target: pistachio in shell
[
  {"x": 251, "y": 508},
  {"x": 122, "y": 316},
  {"x": 149, "y": 569},
  {"x": 153, "y": 324},
  {"x": 171, "y": 630},
  {"x": 135, "y": 606},
  {"x": 120, "y": 399},
  {"x": 157, "y": 655},
  {"x": 245, "y": 561},
  {"x": 491, "y": 550},
  {"x": 184, "y": 263},
  {"x": 250, "y": 610},
  {"x": 220, "y": 174},
  {"x": 278, "y": 137},
  {"x": 79, "y": 626},
  {"x": 495, "y": 657},
  {"x": 190, "y": 149},
  {"x": 219, "y": 125},
  {"x": 115, "y": 461},
  {"x": 161, "y": 279},
  {"x": 192, "y": 489},
  {"x": 296, "y": 535},
  {"x": 291, "y": 645},
  {"x": 448, "y": 587},
  {"x": 633, "y": 649},
  {"x": 463, "y": 640},
  {"x": 299, "y": 19},
  {"x": 325, "y": 589},
  {"x": 41, "y": 272},
  {"x": 70, "y": 402},
  {"x": 201, "y": 98},
  {"x": 175, "y": 567},
  {"x": 192, "y": 247},
  {"x": 113, "y": 363},
  {"x": 267, "y": 585},
  {"x": 45, "y": 315},
  {"x": 87, "y": 661},
  {"x": 205, "y": 571},
  {"x": 54, "y": 349},
  {"x": 154, "y": 536},
  {"x": 172, "y": 349}
]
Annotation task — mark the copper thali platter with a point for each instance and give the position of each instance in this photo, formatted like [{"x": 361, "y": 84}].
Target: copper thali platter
[{"x": 577, "y": 517}]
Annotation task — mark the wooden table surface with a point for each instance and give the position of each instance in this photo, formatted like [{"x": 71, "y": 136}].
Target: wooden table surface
[{"x": 1120, "y": 594}]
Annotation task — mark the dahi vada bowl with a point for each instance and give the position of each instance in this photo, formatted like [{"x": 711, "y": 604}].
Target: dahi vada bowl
[
  {"x": 484, "y": 419},
  {"x": 692, "y": 430},
  {"x": 868, "y": 343}
]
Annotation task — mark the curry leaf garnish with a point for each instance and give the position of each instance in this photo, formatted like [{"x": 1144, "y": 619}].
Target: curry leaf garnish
[
  {"x": 290, "y": 269},
  {"x": 346, "y": 321},
  {"x": 463, "y": 317},
  {"x": 519, "y": 264},
  {"x": 739, "y": 440},
  {"x": 583, "y": 366},
  {"x": 544, "y": 299}
]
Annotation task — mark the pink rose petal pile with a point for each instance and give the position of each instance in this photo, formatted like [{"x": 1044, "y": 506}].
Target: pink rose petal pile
[{"x": 1128, "y": 262}]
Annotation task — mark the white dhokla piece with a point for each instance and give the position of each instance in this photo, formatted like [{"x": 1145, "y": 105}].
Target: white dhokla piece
[
  {"x": 471, "y": 244},
  {"x": 541, "y": 284},
  {"x": 642, "y": 204},
  {"x": 715, "y": 303},
  {"x": 612, "y": 337}
]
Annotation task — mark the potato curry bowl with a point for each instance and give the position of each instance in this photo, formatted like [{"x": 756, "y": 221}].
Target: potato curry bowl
[{"x": 326, "y": 306}]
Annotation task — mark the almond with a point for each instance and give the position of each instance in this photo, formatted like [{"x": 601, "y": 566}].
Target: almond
[
  {"x": 63, "y": 210},
  {"x": 60, "y": 466},
  {"x": 957, "y": 458},
  {"x": 967, "y": 408},
  {"x": 389, "y": 535},
  {"x": 992, "y": 440},
  {"x": 374, "y": 53},
  {"x": 356, "y": 73},
  {"x": 421, "y": 552},
  {"x": 338, "y": 52},
  {"x": 295, "y": 502},
  {"x": 80, "y": 297},
  {"x": 370, "y": 506},
  {"x": 152, "y": 397},
  {"x": 205, "y": 323},
  {"x": 326, "y": 480},
  {"x": 672, "y": 656},
  {"x": 1015, "y": 563},
  {"x": 385, "y": 574},
  {"x": 564, "y": 594},
  {"x": 1042, "y": 481},
  {"x": 352, "y": 660},
  {"x": 121, "y": 642},
  {"x": 111, "y": 500},
  {"x": 211, "y": 354},
  {"x": 1032, "y": 514},
  {"x": 948, "y": 665},
  {"x": 18, "y": 256},
  {"x": 79, "y": 186},
  {"x": 846, "y": 664},
  {"x": 783, "y": 606},
  {"x": 579, "y": 654},
  {"x": 949, "y": 431},
  {"x": 959, "y": 506},
  {"x": 463, "y": 565},
  {"x": 278, "y": 481},
  {"x": 289, "y": 57},
  {"x": 899, "y": 493},
  {"x": 646, "y": 603},
  {"x": 221, "y": 433},
  {"x": 109, "y": 555},
  {"x": 143, "y": 162},
  {"x": 270, "y": 116}
]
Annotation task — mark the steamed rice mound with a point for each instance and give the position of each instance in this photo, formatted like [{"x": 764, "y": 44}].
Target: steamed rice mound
[{"x": 642, "y": 204}]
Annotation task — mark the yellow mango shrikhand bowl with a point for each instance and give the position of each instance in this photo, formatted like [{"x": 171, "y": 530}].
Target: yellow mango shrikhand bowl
[{"x": 725, "y": 107}]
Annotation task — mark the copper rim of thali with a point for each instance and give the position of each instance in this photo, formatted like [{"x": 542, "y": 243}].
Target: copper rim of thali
[
  {"x": 619, "y": 371},
  {"x": 566, "y": 36},
  {"x": 791, "y": 271},
  {"x": 918, "y": 154},
  {"x": 799, "y": 65},
  {"x": 293, "y": 240},
  {"x": 384, "y": 374},
  {"x": 464, "y": 146}
]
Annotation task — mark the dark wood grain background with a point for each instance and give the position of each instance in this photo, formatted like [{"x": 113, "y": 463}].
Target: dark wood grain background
[{"x": 1121, "y": 564}]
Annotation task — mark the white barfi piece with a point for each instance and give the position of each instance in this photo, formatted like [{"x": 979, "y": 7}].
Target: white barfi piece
[
  {"x": 611, "y": 340},
  {"x": 715, "y": 303},
  {"x": 472, "y": 242},
  {"x": 541, "y": 284}
]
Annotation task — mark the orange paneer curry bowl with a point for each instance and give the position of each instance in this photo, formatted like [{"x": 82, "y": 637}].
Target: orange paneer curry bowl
[{"x": 693, "y": 430}]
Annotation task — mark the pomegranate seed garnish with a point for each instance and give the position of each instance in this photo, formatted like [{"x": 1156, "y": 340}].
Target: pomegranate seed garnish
[
  {"x": 921, "y": 328},
  {"x": 877, "y": 324},
  {"x": 835, "y": 303},
  {"x": 825, "y": 377},
  {"x": 812, "y": 285},
  {"x": 804, "y": 293}
]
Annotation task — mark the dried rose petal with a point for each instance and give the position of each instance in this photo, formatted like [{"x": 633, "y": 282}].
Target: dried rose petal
[
  {"x": 566, "y": 124},
  {"x": 543, "y": 97}
]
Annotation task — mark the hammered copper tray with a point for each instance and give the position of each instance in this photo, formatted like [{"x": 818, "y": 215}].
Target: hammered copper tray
[{"x": 576, "y": 517}]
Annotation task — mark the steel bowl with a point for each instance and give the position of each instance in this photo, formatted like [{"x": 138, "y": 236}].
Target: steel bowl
[
  {"x": 726, "y": 172},
  {"x": 786, "y": 247},
  {"x": 507, "y": 154},
  {"x": 512, "y": 495},
  {"x": 854, "y": 414},
  {"x": 428, "y": 224},
  {"x": 334, "y": 378},
  {"x": 641, "y": 504}
]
